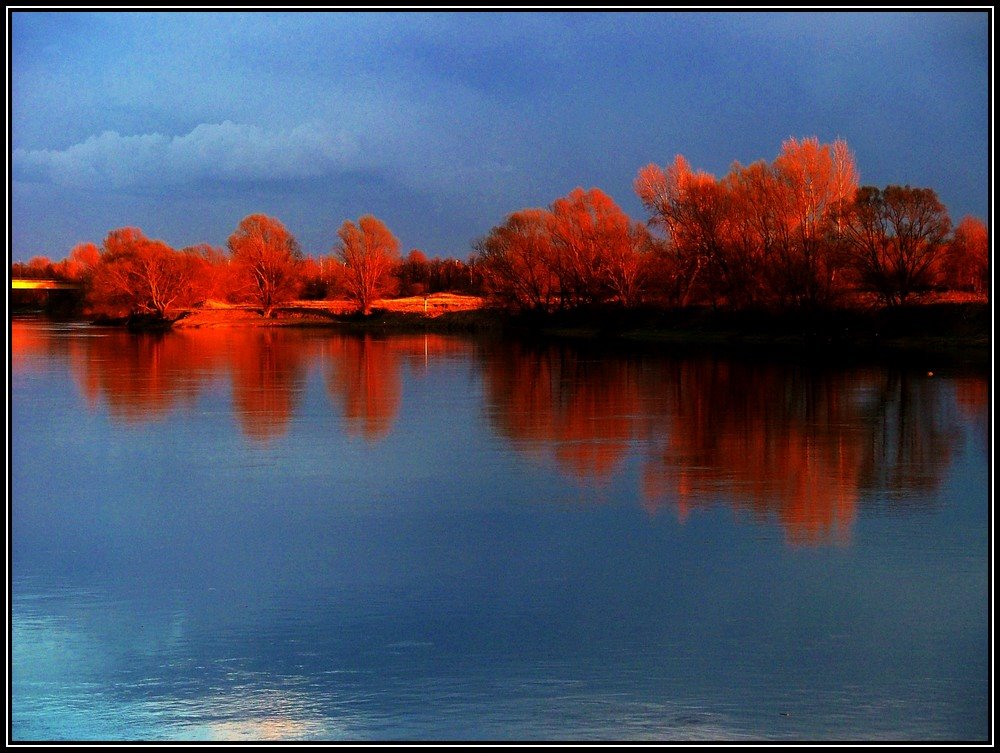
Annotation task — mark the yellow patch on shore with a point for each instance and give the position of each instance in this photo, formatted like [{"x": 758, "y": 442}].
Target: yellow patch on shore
[{"x": 215, "y": 313}]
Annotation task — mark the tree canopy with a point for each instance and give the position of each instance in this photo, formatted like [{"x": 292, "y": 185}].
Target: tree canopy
[
  {"x": 370, "y": 253},
  {"x": 267, "y": 258}
]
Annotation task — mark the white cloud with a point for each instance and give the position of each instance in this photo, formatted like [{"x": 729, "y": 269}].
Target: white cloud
[{"x": 211, "y": 151}]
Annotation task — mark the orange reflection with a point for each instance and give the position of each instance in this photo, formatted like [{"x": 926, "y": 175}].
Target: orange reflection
[
  {"x": 771, "y": 443},
  {"x": 268, "y": 374},
  {"x": 141, "y": 377},
  {"x": 797, "y": 446},
  {"x": 264, "y": 714},
  {"x": 27, "y": 342},
  {"x": 774, "y": 442},
  {"x": 365, "y": 377},
  {"x": 973, "y": 396},
  {"x": 365, "y": 381},
  {"x": 584, "y": 411},
  {"x": 421, "y": 349}
]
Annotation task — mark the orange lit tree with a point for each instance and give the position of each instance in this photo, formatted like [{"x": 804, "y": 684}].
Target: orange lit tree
[
  {"x": 694, "y": 211},
  {"x": 414, "y": 274},
  {"x": 583, "y": 250},
  {"x": 516, "y": 262},
  {"x": 370, "y": 253},
  {"x": 760, "y": 236},
  {"x": 265, "y": 261},
  {"x": 965, "y": 265},
  {"x": 138, "y": 276},
  {"x": 80, "y": 263},
  {"x": 598, "y": 249},
  {"x": 814, "y": 179}
]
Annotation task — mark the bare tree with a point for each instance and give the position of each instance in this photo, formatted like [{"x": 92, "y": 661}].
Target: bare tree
[
  {"x": 136, "y": 275},
  {"x": 815, "y": 179},
  {"x": 266, "y": 259},
  {"x": 692, "y": 209},
  {"x": 516, "y": 262},
  {"x": 370, "y": 253},
  {"x": 966, "y": 262},
  {"x": 894, "y": 237}
]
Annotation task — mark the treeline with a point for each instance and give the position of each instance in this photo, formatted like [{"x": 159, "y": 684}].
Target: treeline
[
  {"x": 798, "y": 232},
  {"x": 130, "y": 274}
]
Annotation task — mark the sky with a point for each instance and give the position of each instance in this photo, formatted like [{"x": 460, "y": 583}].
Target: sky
[{"x": 443, "y": 123}]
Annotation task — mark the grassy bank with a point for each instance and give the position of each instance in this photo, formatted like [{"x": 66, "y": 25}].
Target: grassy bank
[{"x": 441, "y": 312}]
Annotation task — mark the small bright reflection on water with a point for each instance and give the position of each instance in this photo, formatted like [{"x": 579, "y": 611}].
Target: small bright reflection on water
[
  {"x": 248, "y": 713},
  {"x": 290, "y": 535}
]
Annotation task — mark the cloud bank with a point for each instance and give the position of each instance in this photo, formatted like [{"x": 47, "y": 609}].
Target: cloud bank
[{"x": 225, "y": 152}]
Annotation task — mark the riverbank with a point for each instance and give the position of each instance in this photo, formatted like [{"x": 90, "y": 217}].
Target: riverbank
[
  {"x": 946, "y": 330},
  {"x": 953, "y": 332},
  {"x": 442, "y": 312}
]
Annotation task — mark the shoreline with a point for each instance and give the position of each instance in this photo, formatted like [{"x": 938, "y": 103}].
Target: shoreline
[{"x": 949, "y": 332}]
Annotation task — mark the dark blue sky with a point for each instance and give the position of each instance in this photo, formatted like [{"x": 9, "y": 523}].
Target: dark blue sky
[{"x": 441, "y": 124}]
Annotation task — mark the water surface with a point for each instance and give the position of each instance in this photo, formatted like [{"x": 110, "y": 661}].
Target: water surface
[{"x": 297, "y": 535}]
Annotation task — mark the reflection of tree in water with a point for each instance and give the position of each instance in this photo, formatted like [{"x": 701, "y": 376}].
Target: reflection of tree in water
[
  {"x": 421, "y": 349},
  {"x": 141, "y": 377},
  {"x": 913, "y": 431},
  {"x": 31, "y": 344},
  {"x": 798, "y": 445},
  {"x": 557, "y": 402},
  {"x": 268, "y": 373},
  {"x": 365, "y": 381},
  {"x": 802, "y": 445},
  {"x": 973, "y": 397},
  {"x": 776, "y": 442},
  {"x": 365, "y": 375}
]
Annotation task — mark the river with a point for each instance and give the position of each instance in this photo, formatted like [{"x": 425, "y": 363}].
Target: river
[{"x": 278, "y": 534}]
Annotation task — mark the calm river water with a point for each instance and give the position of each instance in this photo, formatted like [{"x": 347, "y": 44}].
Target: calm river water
[{"x": 271, "y": 534}]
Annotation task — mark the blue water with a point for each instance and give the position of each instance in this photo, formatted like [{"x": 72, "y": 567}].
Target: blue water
[{"x": 296, "y": 535}]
